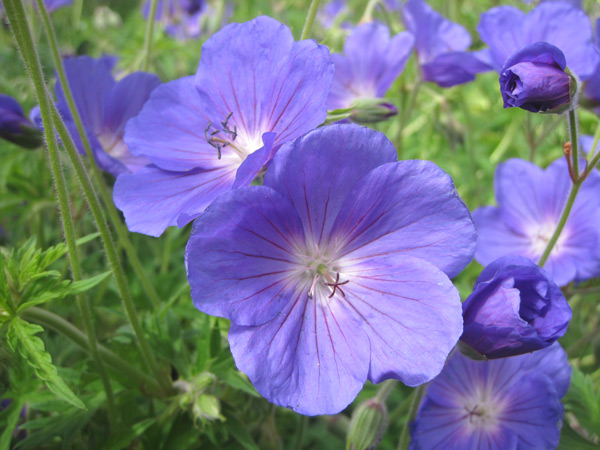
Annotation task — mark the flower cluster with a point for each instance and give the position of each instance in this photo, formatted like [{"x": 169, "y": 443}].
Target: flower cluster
[{"x": 333, "y": 260}]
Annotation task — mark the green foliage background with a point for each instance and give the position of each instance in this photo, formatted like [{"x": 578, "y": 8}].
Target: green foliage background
[{"x": 464, "y": 130}]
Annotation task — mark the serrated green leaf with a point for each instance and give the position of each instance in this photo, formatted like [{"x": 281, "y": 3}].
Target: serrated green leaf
[
  {"x": 22, "y": 339},
  {"x": 583, "y": 400}
]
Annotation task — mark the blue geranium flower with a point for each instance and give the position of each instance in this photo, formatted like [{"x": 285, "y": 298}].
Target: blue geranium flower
[
  {"x": 370, "y": 64},
  {"x": 530, "y": 203},
  {"x": 511, "y": 403},
  {"x": 506, "y": 29},
  {"x": 187, "y": 19},
  {"x": 255, "y": 89},
  {"x": 336, "y": 270},
  {"x": 441, "y": 46},
  {"x": 105, "y": 105}
]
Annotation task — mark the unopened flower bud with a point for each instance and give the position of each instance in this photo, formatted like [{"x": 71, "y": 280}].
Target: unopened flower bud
[
  {"x": 535, "y": 78},
  {"x": 515, "y": 308},
  {"x": 15, "y": 127},
  {"x": 372, "y": 110},
  {"x": 367, "y": 426}
]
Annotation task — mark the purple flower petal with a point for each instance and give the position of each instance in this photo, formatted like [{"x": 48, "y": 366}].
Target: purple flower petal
[
  {"x": 170, "y": 129},
  {"x": 530, "y": 205},
  {"x": 511, "y": 403},
  {"x": 434, "y": 34},
  {"x": 254, "y": 163},
  {"x": 83, "y": 72},
  {"x": 247, "y": 241},
  {"x": 312, "y": 358},
  {"x": 310, "y": 324},
  {"x": 253, "y": 82},
  {"x": 496, "y": 239},
  {"x": 505, "y": 30},
  {"x": 515, "y": 308},
  {"x": 327, "y": 176},
  {"x": 268, "y": 81},
  {"x": 425, "y": 219},
  {"x": 452, "y": 68},
  {"x": 370, "y": 64},
  {"x": 152, "y": 199},
  {"x": 394, "y": 296}
]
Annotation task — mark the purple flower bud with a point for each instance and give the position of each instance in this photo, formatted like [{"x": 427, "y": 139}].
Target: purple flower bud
[
  {"x": 515, "y": 308},
  {"x": 372, "y": 110},
  {"x": 15, "y": 127},
  {"x": 534, "y": 79}
]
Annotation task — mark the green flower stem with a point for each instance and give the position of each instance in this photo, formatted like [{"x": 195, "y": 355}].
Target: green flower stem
[
  {"x": 561, "y": 223},
  {"x": 96, "y": 175},
  {"x": 574, "y": 188},
  {"x": 596, "y": 141},
  {"x": 412, "y": 412},
  {"x": 385, "y": 390},
  {"x": 574, "y": 146},
  {"x": 368, "y": 14},
  {"x": 148, "y": 38},
  {"x": 115, "y": 362},
  {"x": 109, "y": 245},
  {"x": 310, "y": 19},
  {"x": 19, "y": 24}
]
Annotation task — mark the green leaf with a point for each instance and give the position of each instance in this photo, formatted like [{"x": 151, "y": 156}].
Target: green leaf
[
  {"x": 124, "y": 439},
  {"x": 87, "y": 238},
  {"x": 583, "y": 400},
  {"x": 22, "y": 339},
  {"x": 240, "y": 434},
  {"x": 570, "y": 440},
  {"x": 13, "y": 413},
  {"x": 77, "y": 287}
]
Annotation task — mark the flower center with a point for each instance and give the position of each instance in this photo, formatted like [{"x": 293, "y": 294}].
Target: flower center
[
  {"x": 322, "y": 276},
  {"x": 113, "y": 145},
  {"x": 540, "y": 237},
  {"x": 225, "y": 135},
  {"x": 482, "y": 411}
]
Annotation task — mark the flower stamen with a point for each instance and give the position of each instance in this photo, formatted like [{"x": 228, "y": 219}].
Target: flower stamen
[
  {"x": 336, "y": 285},
  {"x": 218, "y": 142}
]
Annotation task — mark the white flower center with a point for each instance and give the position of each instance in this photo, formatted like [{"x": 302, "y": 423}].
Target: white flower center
[
  {"x": 232, "y": 144},
  {"x": 482, "y": 410},
  {"x": 113, "y": 146},
  {"x": 540, "y": 236},
  {"x": 321, "y": 274}
]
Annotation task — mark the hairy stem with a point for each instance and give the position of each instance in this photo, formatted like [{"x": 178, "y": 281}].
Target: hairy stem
[
  {"x": 147, "y": 51},
  {"x": 109, "y": 245},
  {"x": 385, "y": 390},
  {"x": 96, "y": 175},
  {"x": 20, "y": 25},
  {"x": 310, "y": 19},
  {"x": 574, "y": 146}
]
